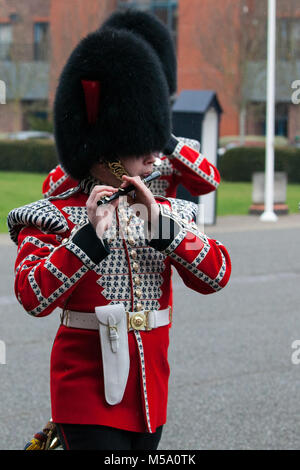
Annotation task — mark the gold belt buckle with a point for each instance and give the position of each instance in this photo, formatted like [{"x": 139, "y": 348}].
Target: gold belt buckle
[{"x": 139, "y": 320}]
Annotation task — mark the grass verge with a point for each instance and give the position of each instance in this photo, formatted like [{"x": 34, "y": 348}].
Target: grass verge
[
  {"x": 236, "y": 198},
  {"x": 17, "y": 189}
]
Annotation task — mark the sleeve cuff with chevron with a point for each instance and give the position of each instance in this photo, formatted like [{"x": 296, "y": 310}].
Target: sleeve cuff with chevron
[
  {"x": 165, "y": 233},
  {"x": 171, "y": 146},
  {"x": 84, "y": 242}
]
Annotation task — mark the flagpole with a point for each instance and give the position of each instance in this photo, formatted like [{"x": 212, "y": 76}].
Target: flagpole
[{"x": 269, "y": 214}]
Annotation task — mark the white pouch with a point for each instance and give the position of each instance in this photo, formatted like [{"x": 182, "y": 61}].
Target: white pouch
[{"x": 115, "y": 353}]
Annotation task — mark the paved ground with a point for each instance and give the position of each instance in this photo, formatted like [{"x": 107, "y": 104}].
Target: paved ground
[{"x": 233, "y": 384}]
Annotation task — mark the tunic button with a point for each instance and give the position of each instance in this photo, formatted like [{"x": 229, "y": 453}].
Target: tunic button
[
  {"x": 133, "y": 254},
  {"x": 138, "y": 307},
  {"x": 138, "y": 293},
  {"x": 131, "y": 241},
  {"x": 137, "y": 281},
  {"x": 135, "y": 267}
]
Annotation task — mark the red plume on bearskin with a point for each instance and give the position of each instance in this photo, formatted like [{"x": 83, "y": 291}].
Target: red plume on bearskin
[{"x": 92, "y": 94}]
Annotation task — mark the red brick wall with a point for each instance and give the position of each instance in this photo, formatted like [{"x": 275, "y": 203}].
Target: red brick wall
[
  {"x": 11, "y": 117},
  {"x": 293, "y": 121},
  {"x": 29, "y": 11},
  {"x": 70, "y": 21},
  {"x": 208, "y": 49},
  {"x": 202, "y": 43}
]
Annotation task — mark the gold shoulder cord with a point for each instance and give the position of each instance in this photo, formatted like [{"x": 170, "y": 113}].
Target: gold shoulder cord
[{"x": 117, "y": 169}]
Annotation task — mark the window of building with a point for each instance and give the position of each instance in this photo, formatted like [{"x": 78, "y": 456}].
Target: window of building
[
  {"x": 281, "y": 120},
  {"x": 41, "y": 43},
  {"x": 288, "y": 38},
  {"x": 256, "y": 119},
  {"x": 165, "y": 10},
  {"x": 5, "y": 41},
  {"x": 35, "y": 116},
  {"x": 167, "y": 13}
]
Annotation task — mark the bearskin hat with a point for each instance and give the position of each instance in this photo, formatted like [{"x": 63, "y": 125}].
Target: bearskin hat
[
  {"x": 152, "y": 30},
  {"x": 112, "y": 101}
]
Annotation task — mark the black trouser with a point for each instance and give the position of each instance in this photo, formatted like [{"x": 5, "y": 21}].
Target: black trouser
[{"x": 89, "y": 437}]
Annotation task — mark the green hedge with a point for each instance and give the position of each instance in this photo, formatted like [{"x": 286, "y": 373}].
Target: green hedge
[
  {"x": 36, "y": 156},
  {"x": 239, "y": 163}
]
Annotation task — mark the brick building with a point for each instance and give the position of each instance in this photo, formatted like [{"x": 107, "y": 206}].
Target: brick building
[
  {"x": 221, "y": 49},
  {"x": 71, "y": 20},
  {"x": 24, "y": 61},
  {"x": 225, "y": 49}
]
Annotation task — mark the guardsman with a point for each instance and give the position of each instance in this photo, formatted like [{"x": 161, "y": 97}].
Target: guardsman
[{"x": 108, "y": 266}]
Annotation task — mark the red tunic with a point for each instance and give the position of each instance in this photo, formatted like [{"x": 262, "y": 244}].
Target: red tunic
[{"x": 62, "y": 263}]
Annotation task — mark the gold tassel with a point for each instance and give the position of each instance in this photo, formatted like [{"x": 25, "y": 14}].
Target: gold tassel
[
  {"x": 35, "y": 444},
  {"x": 117, "y": 169},
  {"x": 44, "y": 440}
]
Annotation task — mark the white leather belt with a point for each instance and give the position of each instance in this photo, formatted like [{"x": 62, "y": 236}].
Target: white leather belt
[
  {"x": 144, "y": 320},
  {"x": 113, "y": 323}
]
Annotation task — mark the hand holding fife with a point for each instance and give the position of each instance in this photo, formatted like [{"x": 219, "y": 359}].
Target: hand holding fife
[
  {"x": 101, "y": 216},
  {"x": 143, "y": 199}
]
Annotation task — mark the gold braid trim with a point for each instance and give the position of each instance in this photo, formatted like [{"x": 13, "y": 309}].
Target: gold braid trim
[{"x": 117, "y": 169}]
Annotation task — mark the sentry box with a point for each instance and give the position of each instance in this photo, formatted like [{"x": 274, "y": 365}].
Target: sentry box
[{"x": 197, "y": 115}]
